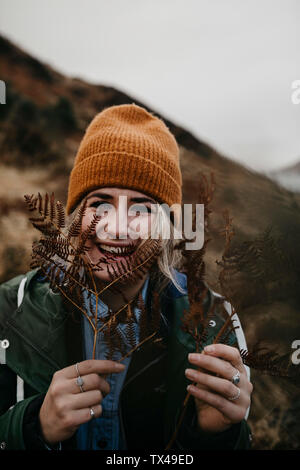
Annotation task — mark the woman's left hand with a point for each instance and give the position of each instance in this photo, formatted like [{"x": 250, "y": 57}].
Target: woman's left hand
[{"x": 219, "y": 402}]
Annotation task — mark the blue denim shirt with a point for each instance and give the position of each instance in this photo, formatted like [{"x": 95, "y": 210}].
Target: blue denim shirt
[{"x": 103, "y": 433}]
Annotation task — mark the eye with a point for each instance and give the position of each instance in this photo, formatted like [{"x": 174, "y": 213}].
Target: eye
[
  {"x": 139, "y": 209},
  {"x": 101, "y": 206}
]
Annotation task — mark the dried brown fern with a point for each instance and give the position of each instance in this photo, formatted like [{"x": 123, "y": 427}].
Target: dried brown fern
[
  {"x": 259, "y": 262},
  {"x": 265, "y": 361},
  {"x": 197, "y": 323},
  {"x": 194, "y": 321},
  {"x": 60, "y": 255},
  {"x": 64, "y": 264}
]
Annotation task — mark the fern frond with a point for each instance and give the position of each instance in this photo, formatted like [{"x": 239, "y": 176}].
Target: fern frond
[
  {"x": 267, "y": 362},
  {"x": 61, "y": 219},
  {"x": 130, "y": 333}
]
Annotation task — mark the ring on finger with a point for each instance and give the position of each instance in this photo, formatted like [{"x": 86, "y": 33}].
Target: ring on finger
[
  {"x": 235, "y": 379},
  {"x": 235, "y": 397},
  {"x": 79, "y": 379},
  {"x": 92, "y": 413}
]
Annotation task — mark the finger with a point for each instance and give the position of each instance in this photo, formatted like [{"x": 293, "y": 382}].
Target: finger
[
  {"x": 90, "y": 382},
  {"x": 228, "y": 353},
  {"x": 91, "y": 366},
  {"x": 86, "y": 399},
  {"x": 213, "y": 364},
  {"x": 215, "y": 384},
  {"x": 228, "y": 408},
  {"x": 83, "y": 415}
]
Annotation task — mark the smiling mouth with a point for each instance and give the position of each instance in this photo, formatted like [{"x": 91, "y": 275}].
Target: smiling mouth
[{"x": 116, "y": 253}]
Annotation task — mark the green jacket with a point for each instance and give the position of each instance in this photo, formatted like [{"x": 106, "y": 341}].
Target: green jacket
[{"x": 44, "y": 338}]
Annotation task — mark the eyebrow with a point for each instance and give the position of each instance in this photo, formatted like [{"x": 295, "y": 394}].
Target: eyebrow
[{"x": 133, "y": 199}]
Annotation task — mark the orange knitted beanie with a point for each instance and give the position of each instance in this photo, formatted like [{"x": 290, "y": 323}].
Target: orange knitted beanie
[{"x": 128, "y": 147}]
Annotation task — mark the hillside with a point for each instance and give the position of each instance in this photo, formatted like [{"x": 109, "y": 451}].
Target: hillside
[{"x": 41, "y": 126}]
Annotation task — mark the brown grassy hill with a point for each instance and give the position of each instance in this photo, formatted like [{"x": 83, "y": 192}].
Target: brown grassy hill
[{"x": 41, "y": 126}]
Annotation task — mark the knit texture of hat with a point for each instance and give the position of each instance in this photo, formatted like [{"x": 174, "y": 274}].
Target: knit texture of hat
[{"x": 127, "y": 147}]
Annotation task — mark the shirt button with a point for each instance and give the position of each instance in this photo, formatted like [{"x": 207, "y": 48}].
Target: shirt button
[
  {"x": 102, "y": 444},
  {"x": 3, "y": 445}
]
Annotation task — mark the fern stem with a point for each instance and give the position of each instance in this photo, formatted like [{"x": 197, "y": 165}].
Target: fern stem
[
  {"x": 114, "y": 315},
  {"x": 137, "y": 346},
  {"x": 96, "y": 311},
  {"x": 72, "y": 277},
  {"x": 170, "y": 443},
  {"x": 228, "y": 321},
  {"x": 69, "y": 298},
  {"x": 94, "y": 345},
  {"x": 127, "y": 272}
]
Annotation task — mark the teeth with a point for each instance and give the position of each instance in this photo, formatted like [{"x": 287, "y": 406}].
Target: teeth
[{"x": 116, "y": 250}]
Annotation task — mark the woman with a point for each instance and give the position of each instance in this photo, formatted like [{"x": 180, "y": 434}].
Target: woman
[{"x": 127, "y": 161}]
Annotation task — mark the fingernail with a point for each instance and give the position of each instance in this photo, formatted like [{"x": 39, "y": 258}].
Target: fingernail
[
  {"x": 193, "y": 356},
  {"x": 119, "y": 366},
  {"x": 209, "y": 348},
  {"x": 190, "y": 372}
]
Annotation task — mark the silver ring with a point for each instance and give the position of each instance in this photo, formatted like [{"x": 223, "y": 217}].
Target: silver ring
[
  {"x": 235, "y": 397},
  {"x": 92, "y": 413},
  {"x": 236, "y": 378},
  {"x": 79, "y": 380}
]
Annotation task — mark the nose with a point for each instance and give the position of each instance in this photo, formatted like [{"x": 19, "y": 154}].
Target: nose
[
  {"x": 114, "y": 225},
  {"x": 119, "y": 225}
]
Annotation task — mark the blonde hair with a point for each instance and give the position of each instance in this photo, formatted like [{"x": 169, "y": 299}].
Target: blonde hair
[{"x": 169, "y": 259}]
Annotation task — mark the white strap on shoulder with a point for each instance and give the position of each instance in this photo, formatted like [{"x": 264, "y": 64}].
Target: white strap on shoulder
[
  {"x": 238, "y": 332},
  {"x": 21, "y": 291},
  {"x": 20, "y": 382},
  {"x": 239, "y": 335}
]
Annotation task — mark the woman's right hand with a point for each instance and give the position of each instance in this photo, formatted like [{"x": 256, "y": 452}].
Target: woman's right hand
[{"x": 65, "y": 407}]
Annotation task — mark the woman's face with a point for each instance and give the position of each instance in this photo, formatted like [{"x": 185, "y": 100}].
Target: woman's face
[{"x": 126, "y": 218}]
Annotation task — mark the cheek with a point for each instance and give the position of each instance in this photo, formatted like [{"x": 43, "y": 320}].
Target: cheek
[
  {"x": 87, "y": 219},
  {"x": 141, "y": 225},
  {"x": 149, "y": 223}
]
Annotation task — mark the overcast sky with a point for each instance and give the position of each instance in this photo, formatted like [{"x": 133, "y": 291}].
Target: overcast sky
[{"x": 223, "y": 69}]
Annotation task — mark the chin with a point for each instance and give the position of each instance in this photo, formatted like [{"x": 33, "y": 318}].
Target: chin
[{"x": 94, "y": 256}]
